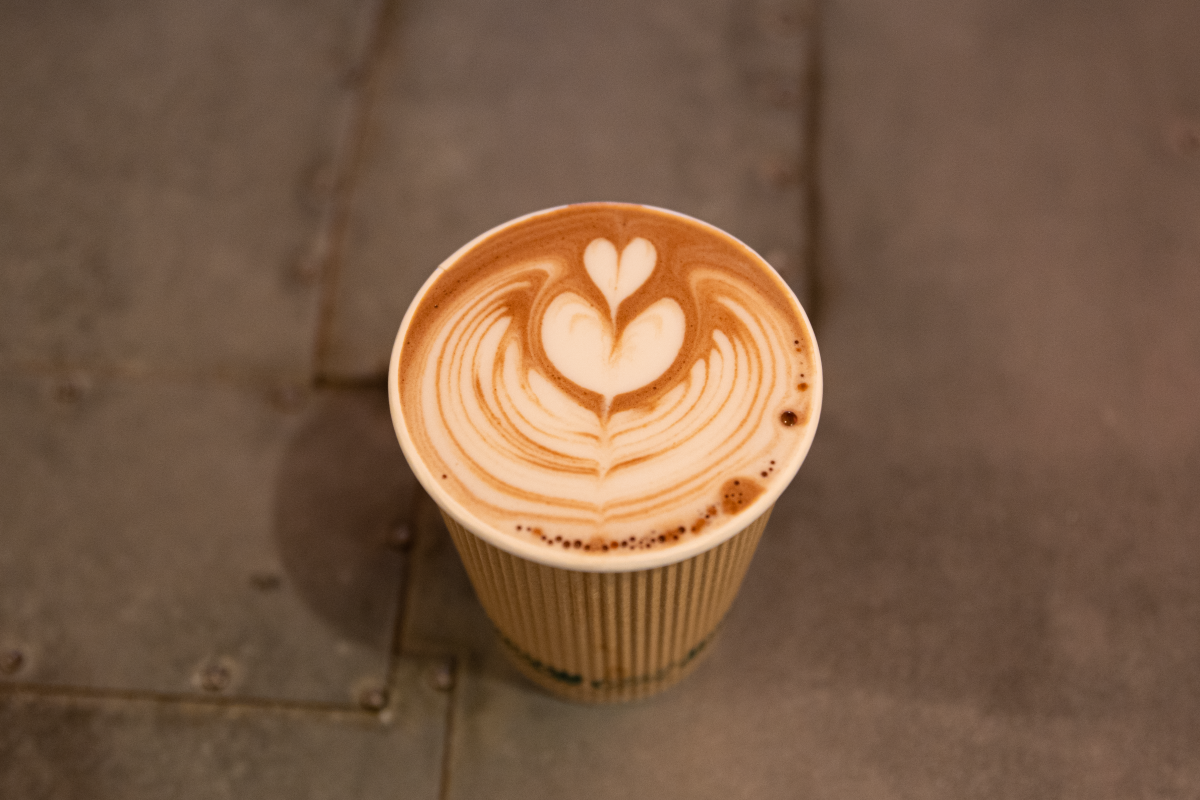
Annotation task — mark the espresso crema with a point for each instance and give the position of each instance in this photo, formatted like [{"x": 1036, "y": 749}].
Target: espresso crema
[{"x": 607, "y": 378}]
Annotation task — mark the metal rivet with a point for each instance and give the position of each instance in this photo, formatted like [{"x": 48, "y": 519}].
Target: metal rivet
[
  {"x": 443, "y": 677},
  {"x": 400, "y": 536},
  {"x": 11, "y": 661},
  {"x": 373, "y": 698},
  {"x": 72, "y": 389},
  {"x": 215, "y": 676},
  {"x": 265, "y": 581}
]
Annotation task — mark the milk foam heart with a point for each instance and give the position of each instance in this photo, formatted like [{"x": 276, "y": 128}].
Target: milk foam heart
[
  {"x": 606, "y": 378},
  {"x": 586, "y": 347},
  {"x": 619, "y": 278}
]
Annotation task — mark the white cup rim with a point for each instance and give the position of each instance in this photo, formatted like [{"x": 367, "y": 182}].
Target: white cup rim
[{"x": 576, "y": 559}]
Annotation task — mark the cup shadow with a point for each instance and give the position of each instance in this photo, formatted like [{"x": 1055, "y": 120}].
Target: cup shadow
[{"x": 343, "y": 503}]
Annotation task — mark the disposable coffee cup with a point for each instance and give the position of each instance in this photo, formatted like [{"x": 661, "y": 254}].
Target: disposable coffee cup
[{"x": 631, "y": 621}]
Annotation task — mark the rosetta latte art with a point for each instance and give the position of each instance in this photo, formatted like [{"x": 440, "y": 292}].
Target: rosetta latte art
[{"x": 606, "y": 379}]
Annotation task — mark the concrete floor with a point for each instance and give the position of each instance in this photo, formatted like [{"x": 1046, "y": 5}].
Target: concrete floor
[{"x": 218, "y": 577}]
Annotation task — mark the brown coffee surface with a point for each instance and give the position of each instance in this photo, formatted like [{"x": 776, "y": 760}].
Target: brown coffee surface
[{"x": 607, "y": 378}]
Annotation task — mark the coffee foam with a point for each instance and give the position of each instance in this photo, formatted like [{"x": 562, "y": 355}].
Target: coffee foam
[{"x": 607, "y": 378}]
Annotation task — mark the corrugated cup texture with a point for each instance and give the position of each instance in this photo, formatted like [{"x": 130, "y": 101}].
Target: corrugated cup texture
[{"x": 600, "y": 637}]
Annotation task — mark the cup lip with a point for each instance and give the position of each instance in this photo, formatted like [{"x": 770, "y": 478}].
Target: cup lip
[{"x": 577, "y": 560}]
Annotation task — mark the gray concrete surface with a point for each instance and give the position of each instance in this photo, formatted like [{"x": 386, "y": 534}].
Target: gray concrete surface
[
  {"x": 488, "y": 110},
  {"x": 154, "y": 529},
  {"x": 60, "y": 747},
  {"x": 166, "y": 170},
  {"x": 983, "y": 583}
]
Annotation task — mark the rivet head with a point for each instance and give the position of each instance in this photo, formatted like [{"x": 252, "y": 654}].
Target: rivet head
[
  {"x": 442, "y": 678},
  {"x": 215, "y": 675},
  {"x": 72, "y": 389},
  {"x": 11, "y": 661},
  {"x": 373, "y": 698},
  {"x": 265, "y": 581},
  {"x": 400, "y": 537}
]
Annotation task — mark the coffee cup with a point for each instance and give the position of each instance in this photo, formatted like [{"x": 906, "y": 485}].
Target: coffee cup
[{"x": 605, "y": 401}]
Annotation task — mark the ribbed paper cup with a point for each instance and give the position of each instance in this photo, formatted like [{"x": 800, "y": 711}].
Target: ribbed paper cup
[
  {"x": 593, "y": 628},
  {"x": 605, "y": 636}
]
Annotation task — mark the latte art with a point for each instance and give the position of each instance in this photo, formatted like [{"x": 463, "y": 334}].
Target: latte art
[
  {"x": 607, "y": 378},
  {"x": 586, "y": 348}
]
